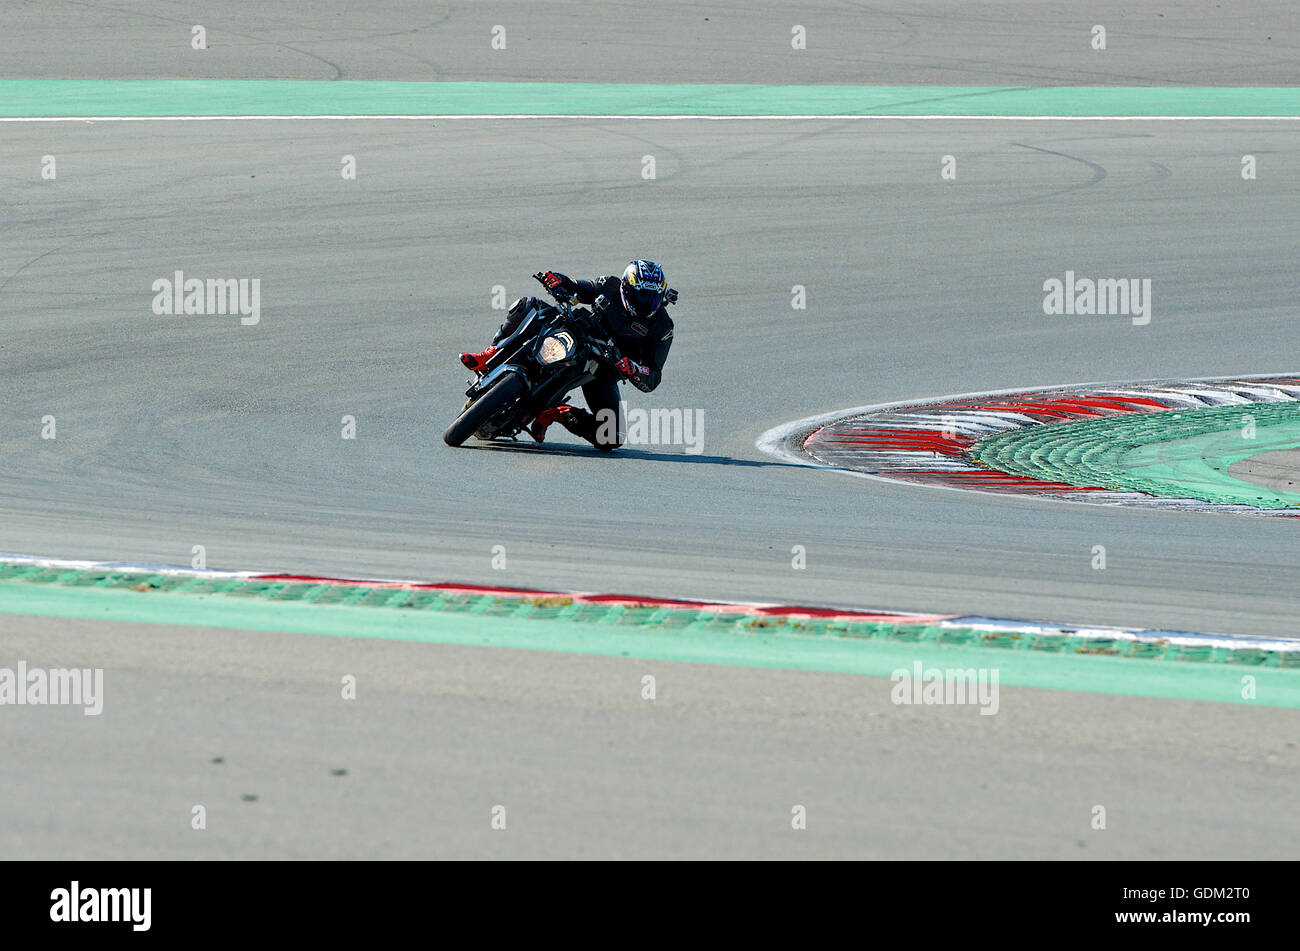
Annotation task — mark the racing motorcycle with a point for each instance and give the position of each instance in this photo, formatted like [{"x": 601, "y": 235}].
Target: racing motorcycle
[{"x": 554, "y": 350}]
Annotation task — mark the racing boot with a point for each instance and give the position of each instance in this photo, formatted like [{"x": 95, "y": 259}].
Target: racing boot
[
  {"x": 544, "y": 419},
  {"x": 478, "y": 361}
]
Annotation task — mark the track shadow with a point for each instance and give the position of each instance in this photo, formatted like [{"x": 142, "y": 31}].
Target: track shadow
[{"x": 590, "y": 452}]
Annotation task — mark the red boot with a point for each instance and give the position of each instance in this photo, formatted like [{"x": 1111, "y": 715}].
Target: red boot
[
  {"x": 544, "y": 419},
  {"x": 478, "y": 361}
]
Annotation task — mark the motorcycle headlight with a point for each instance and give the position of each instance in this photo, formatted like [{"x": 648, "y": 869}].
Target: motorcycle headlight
[{"x": 555, "y": 348}]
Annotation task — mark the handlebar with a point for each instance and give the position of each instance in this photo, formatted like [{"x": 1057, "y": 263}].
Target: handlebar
[
  {"x": 608, "y": 351},
  {"x": 559, "y": 293}
]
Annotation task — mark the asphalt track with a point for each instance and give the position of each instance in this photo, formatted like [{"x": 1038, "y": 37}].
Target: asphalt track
[
  {"x": 1022, "y": 42},
  {"x": 1272, "y": 470},
  {"x": 180, "y": 431},
  {"x": 585, "y": 767}
]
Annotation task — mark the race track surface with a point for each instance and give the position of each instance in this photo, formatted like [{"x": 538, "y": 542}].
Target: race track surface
[
  {"x": 182, "y": 431},
  {"x": 1008, "y": 42},
  {"x": 586, "y": 768},
  {"x": 177, "y": 431}
]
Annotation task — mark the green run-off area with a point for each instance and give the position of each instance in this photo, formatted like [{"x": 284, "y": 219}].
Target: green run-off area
[
  {"x": 255, "y": 97},
  {"x": 1177, "y": 454}
]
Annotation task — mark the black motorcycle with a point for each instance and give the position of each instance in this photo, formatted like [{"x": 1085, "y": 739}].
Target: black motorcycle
[{"x": 554, "y": 350}]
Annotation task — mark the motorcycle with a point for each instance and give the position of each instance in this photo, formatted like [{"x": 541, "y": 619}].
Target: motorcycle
[{"x": 553, "y": 350}]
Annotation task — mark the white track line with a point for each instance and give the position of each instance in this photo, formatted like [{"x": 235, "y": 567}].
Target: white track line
[
  {"x": 798, "y": 117},
  {"x": 123, "y": 566}
]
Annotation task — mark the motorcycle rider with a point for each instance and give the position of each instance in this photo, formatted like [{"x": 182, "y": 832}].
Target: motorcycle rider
[{"x": 632, "y": 308}]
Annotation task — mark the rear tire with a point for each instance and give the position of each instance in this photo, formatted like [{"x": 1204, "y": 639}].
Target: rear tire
[{"x": 472, "y": 418}]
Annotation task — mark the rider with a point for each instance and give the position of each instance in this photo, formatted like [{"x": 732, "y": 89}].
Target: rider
[{"x": 632, "y": 307}]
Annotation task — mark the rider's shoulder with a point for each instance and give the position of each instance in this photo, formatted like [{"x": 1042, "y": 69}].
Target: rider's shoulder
[{"x": 662, "y": 325}]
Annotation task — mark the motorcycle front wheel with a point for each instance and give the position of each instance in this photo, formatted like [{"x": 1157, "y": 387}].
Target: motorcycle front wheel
[{"x": 471, "y": 420}]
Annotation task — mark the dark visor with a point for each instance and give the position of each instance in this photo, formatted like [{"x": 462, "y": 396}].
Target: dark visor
[{"x": 643, "y": 302}]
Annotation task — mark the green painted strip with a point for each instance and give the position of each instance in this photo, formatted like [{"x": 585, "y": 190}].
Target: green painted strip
[
  {"x": 658, "y": 616},
  {"x": 204, "y": 97},
  {"x": 1020, "y": 660},
  {"x": 1178, "y": 454}
]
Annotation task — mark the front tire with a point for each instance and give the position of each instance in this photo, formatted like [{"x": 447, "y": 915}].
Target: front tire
[{"x": 477, "y": 413}]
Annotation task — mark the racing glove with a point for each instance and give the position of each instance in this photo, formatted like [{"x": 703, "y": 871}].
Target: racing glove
[
  {"x": 632, "y": 370},
  {"x": 552, "y": 280}
]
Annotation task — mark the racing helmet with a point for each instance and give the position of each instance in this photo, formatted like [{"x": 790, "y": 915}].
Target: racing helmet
[{"x": 642, "y": 288}]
